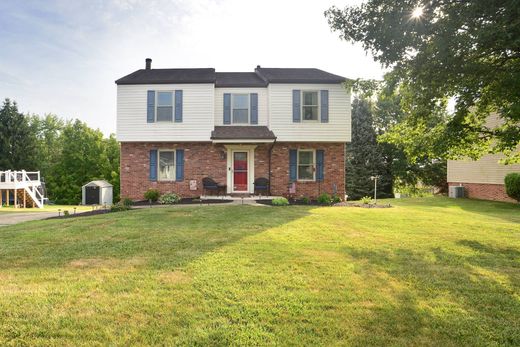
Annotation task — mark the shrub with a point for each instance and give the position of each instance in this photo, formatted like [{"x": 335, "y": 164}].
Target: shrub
[
  {"x": 66, "y": 213},
  {"x": 280, "y": 202},
  {"x": 324, "y": 199},
  {"x": 306, "y": 200},
  {"x": 120, "y": 206},
  {"x": 336, "y": 199},
  {"x": 127, "y": 202},
  {"x": 169, "y": 199},
  {"x": 366, "y": 200},
  {"x": 512, "y": 182},
  {"x": 152, "y": 194}
]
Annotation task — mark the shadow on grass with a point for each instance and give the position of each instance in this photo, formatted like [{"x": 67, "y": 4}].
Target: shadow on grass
[
  {"x": 452, "y": 298},
  {"x": 160, "y": 238}
]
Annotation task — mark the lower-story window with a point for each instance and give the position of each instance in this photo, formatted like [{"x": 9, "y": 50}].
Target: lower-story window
[
  {"x": 166, "y": 165},
  {"x": 306, "y": 165}
]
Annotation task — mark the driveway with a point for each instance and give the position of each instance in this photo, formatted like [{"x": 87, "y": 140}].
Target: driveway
[{"x": 18, "y": 217}]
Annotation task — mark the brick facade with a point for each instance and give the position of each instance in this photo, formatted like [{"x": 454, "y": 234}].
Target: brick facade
[
  {"x": 204, "y": 159},
  {"x": 484, "y": 191}
]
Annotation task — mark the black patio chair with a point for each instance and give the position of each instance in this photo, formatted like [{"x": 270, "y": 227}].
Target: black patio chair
[
  {"x": 262, "y": 185},
  {"x": 209, "y": 184}
]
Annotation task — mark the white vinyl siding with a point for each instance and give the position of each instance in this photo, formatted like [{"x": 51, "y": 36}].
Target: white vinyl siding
[
  {"x": 262, "y": 104},
  {"x": 198, "y": 114},
  {"x": 203, "y": 109},
  {"x": 485, "y": 170},
  {"x": 281, "y": 123}
]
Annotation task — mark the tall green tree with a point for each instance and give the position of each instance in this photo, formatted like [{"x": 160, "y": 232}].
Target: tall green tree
[
  {"x": 83, "y": 158},
  {"x": 406, "y": 170},
  {"x": 364, "y": 157},
  {"x": 466, "y": 51},
  {"x": 48, "y": 130},
  {"x": 17, "y": 140},
  {"x": 68, "y": 154}
]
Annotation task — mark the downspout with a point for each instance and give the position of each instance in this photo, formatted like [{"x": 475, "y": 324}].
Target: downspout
[{"x": 270, "y": 155}]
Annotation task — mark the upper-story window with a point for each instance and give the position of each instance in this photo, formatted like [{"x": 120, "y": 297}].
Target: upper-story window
[
  {"x": 164, "y": 104},
  {"x": 240, "y": 108},
  {"x": 310, "y": 109}
]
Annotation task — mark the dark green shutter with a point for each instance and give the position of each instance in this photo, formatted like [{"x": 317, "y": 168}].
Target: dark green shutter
[{"x": 293, "y": 165}]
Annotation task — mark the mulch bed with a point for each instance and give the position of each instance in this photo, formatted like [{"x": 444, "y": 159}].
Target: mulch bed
[
  {"x": 184, "y": 201},
  {"x": 81, "y": 214},
  {"x": 315, "y": 203},
  {"x": 357, "y": 204}
]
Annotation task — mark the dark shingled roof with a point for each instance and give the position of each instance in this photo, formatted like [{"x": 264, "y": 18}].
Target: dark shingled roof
[
  {"x": 261, "y": 77},
  {"x": 239, "y": 79},
  {"x": 165, "y": 76},
  {"x": 246, "y": 132},
  {"x": 298, "y": 75}
]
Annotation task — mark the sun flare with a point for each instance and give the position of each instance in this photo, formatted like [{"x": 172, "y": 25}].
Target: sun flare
[{"x": 417, "y": 12}]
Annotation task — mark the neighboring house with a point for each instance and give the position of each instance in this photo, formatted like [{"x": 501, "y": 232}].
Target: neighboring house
[
  {"x": 178, "y": 126},
  {"x": 483, "y": 178}
]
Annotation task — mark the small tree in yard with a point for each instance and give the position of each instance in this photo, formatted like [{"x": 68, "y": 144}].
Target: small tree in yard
[{"x": 512, "y": 182}]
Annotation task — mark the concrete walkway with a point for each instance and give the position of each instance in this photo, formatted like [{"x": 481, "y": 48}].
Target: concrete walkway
[{"x": 19, "y": 217}]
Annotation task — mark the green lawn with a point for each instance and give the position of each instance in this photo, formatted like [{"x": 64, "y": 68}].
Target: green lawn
[{"x": 429, "y": 271}]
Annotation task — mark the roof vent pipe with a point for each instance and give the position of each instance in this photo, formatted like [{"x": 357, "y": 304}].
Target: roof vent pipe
[{"x": 148, "y": 63}]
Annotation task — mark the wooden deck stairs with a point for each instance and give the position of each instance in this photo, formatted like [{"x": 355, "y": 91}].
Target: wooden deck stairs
[{"x": 24, "y": 188}]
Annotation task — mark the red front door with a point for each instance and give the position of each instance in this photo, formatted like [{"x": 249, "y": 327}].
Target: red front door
[{"x": 240, "y": 172}]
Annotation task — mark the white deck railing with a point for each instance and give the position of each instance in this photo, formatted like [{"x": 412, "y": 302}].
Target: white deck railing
[
  {"x": 28, "y": 180},
  {"x": 20, "y": 177}
]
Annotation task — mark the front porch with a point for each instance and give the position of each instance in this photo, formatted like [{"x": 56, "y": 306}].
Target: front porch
[{"x": 247, "y": 154}]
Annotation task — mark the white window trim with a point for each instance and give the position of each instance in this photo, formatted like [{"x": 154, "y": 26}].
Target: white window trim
[
  {"x": 159, "y": 165},
  {"x": 317, "y": 120},
  {"x": 313, "y": 165},
  {"x": 157, "y": 105},
  {"x": 248, "y": 108}
]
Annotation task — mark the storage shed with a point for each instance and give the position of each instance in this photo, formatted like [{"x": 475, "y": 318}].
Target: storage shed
[{"x": 97, "y": 193}]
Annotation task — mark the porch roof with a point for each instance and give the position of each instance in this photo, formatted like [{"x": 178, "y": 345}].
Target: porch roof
[{"x": 248, "y": 133}]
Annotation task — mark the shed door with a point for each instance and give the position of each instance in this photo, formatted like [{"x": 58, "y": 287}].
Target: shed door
[{"x": 92, "y": 195}]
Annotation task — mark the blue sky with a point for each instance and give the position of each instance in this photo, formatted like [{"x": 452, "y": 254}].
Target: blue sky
[{"x": 63, "y": 57}]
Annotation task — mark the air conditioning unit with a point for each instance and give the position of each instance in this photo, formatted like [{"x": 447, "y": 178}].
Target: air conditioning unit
[{"x": 456, "y": 192}]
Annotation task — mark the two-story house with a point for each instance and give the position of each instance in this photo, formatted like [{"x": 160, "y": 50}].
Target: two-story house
[{"x": 178, "y": 126}]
